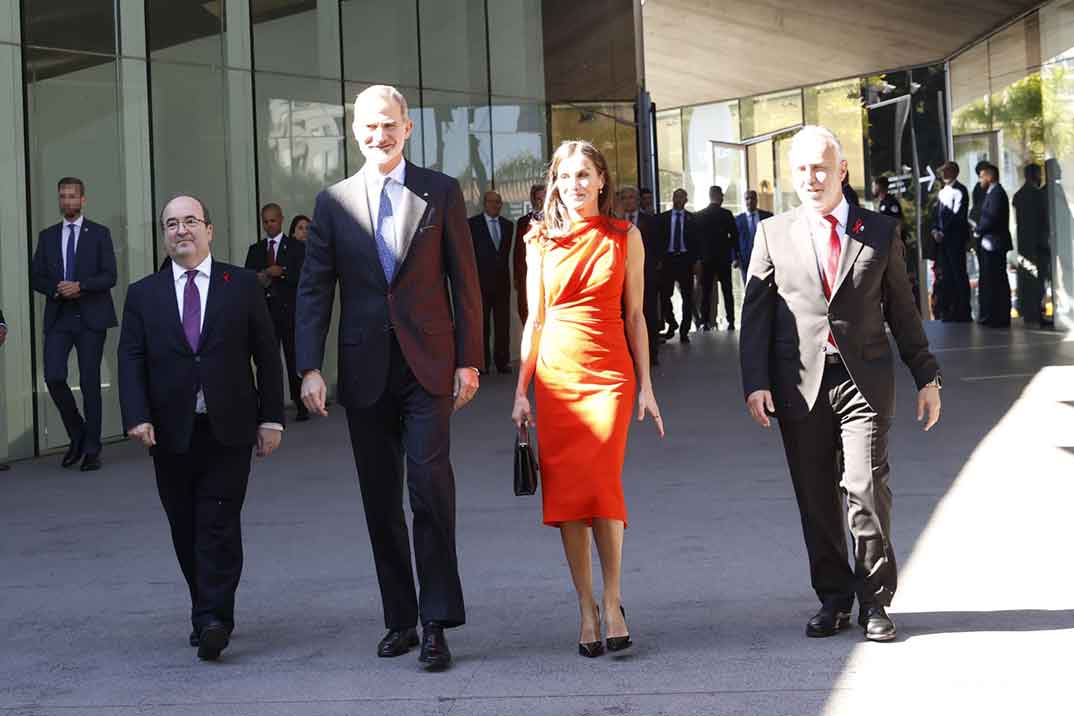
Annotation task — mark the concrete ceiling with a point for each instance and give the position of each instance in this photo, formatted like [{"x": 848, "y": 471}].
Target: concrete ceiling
[{"x": 703, "y": 50}]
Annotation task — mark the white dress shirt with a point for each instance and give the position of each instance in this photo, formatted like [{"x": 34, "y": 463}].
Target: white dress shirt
[
  {"x": 274, "y": 244},
  {"x": 63, "y": 239},
  {"x": 951, "y": 198},
  {"x": 374, "y": 184},
  {"x": 201, "y": 280}
]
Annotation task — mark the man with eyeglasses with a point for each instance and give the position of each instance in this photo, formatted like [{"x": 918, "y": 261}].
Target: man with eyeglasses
[
  {"x": 187, "y": 392},
  {"x": 74, "y": 267}
]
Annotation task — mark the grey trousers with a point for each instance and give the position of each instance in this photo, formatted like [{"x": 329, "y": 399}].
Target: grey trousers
[{"x": 838, "y": 459}]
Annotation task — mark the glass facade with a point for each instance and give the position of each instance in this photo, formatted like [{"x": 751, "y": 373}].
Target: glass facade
[
  {"x": 243, "y": 102},
  {"x": 1013, "y": 105}
]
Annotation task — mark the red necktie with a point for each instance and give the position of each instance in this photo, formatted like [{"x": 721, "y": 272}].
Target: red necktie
[{"x": 832, "y": 266}]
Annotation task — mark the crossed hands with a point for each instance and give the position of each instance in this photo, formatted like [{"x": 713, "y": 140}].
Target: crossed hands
[{"x": 69, "y": 289}]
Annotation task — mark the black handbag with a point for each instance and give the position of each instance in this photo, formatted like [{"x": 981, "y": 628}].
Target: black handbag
[{"x": 526, "y": 467}]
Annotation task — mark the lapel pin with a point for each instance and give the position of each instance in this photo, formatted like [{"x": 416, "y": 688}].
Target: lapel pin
[
  {"x": 858, "y": 227},
  {"x": 226, "y": 276}
]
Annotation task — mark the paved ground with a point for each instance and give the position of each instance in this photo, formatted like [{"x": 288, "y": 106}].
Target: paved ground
[{"x": 93, "y": 612}]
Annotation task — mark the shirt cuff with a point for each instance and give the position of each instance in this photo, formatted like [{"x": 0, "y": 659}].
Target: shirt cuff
[{"x": 271, "y": 426}]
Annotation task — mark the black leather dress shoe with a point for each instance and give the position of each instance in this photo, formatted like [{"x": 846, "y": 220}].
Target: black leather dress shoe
[
  {"x": 212, "y": 640},
  {"x": 730, "y": 326},
  {"x": 91, "y": 463},
  {"x": 827, "y": 622},
  {"x": 397, "y": 642},
  {"x": 684, "y": 338},
  {"x": 195, "y": 638},
  {"x": 876, "y": 623},
  {"x": 505, "y": 370},
  {"x": 435, "y": 654},
  {"x": 74, "y": 452},
  {"x": 302, "y": 416}
]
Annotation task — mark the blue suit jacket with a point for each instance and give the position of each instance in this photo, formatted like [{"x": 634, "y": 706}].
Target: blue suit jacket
[
  {"x": 95, "y": 270},
  {"x": 745, "y": 238}
]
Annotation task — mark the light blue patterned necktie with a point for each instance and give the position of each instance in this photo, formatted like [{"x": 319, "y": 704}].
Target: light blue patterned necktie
[{"x": 386, "y": 233}]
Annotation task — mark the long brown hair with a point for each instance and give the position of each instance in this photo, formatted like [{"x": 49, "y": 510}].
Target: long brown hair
[{"x": 556, "y": 221}]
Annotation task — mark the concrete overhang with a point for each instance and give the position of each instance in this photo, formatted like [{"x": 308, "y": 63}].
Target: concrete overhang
[{"x": 700, "y": 51}]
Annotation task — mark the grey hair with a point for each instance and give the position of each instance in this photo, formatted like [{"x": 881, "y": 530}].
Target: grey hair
[
  {"x": 814, "y": 132},
  {"x": 384, "y": 92},
  {"x": 628, "y": 189}
]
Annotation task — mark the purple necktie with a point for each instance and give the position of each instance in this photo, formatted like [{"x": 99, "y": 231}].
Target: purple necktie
[{"x": 192, "y": 311}]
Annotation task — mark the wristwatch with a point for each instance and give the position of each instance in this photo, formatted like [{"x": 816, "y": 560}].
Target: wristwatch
[{"x": 936, "y": 383}]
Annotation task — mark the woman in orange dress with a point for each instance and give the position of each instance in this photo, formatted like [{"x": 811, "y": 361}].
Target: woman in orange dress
[{"x": 585, "y": 280}]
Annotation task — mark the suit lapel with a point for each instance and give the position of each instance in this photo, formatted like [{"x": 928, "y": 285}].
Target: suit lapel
[
  {"x": 218, "y": 296},
  {"x": 853, "y": 247},
  {"x": 165, "y": 287},
  {"x": 355, "y": 202},
  {"x": 411, "y": 210},
  {"x": 802, "y": 240}
]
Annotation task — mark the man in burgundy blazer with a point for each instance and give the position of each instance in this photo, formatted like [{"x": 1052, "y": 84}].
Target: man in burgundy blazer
[{"x": 394, "y": 238}]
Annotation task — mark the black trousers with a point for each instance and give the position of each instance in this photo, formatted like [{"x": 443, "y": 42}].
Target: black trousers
[
  {"x": 66, "y": 333},
  {"x": 202, "y": 491},
  {"x": 650, "y": 308},
  {"x": 678, "y": 269},
  {"x": 839, "y": 454},
  {"x": 712, "y": 271},
  {"x": 993, "y": 290},
  {"x": 955, "y": 295},
  {"x": 409, "y": 426},
  {"x": 284, "y": 324},
  {"x": 496, "y": 309}
]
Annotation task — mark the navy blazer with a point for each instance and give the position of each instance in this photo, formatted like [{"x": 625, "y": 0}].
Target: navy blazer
[
  {"x": 745, "y": 238},
  {"x": 995, "y": 221},
  {"x": 689, "y": 229},
  {"x": 159, "y": 373},
  {"x": 290, "y": 254},
  {"x": 95, "y": 270},
  {"x": 493, "y": 266},
  {"x": 432, "y": 305}
]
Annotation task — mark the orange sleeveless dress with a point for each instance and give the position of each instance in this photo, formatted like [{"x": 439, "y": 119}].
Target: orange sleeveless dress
[{"x": 585, "y": 384}]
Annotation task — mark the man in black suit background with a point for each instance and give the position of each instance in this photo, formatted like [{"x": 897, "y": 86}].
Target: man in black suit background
[
  {"x": 951, "y": 231},
  {"x": 394, "y": 237},
  {"x": 993, "y": 242},
  {"x": 630, "y": 206},
  {"x": 277, "y": 259},
  {"x": 680, "y": 252},
  {"x": 188, "y": 394},
  {"x": 522, "y": 227},
  {"x": 74, "y": 266},
  {"x": 492, "y": 236},
  {"x": 718, "y": 239}
]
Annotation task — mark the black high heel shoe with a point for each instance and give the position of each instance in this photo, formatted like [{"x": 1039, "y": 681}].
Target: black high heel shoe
[
  {"x": 591, "y": 649},
  {"x": 618, "y": 643}
]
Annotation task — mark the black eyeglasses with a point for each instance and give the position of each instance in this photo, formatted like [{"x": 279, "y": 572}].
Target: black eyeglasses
[{"x": 190, "y": 222}]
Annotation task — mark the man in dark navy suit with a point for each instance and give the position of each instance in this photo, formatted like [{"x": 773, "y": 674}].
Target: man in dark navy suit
[
  {"x": 680, "y": 252},
  {"x": 187, "y": 392},
  {"x": 747, "y": 223},
  {"x": 491, "y": 234},
  {"x": 993, "y": 242},
  {"x": 74, "y": 266},
  {"x": 394, "y": 238},
  {"x": 277, "y": 259},
  {"x": 649, "y": 226},
  {"x": 718, "y": 241},
  {"x": 951, "y": 231}
]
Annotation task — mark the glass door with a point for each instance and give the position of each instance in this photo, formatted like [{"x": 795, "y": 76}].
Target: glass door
[{"x": 729, "y": 172}]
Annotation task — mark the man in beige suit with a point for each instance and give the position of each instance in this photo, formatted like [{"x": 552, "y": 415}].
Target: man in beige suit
[{"x": 824, "y": 280}]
